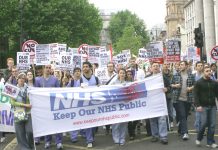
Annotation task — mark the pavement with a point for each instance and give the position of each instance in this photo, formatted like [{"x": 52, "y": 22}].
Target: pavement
[{"x": 105, "y": 142}]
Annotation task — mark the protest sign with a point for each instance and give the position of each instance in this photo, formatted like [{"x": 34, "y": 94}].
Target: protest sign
[
  {"x": 62, "y": 48},
  {"x": 93, "y": 54},
  {"x": 10, "y": 90},
  {"x": 54, "y": 53},
  {"x": 83, "y": 50},
  {"x": 72, "y": 50},
  {"x": 155, "y": 52},
  {"x": 30, "y": 46},
  {"x": 103, "y": 49},
  {"x": 77, "y": 60},
  {"x": 128, "y": 52},
  {"x": 23, "y": 61},
  {"x": 172, "y": 51},
  {"x": 6, "y": 115},
  {"x": 66, "y": 109},
  {"x": 23, "y": 58},
  {"x": 42, "y": 54},
  {"x": 104, "y": 59},
  {"x": 122, "y": 59},
  {"x": 101, "y": 73},
  {"x": 142, "y": 53}
]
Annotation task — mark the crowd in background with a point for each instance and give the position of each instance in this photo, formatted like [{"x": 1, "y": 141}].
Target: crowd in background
[{"x": 187, "y": 87}]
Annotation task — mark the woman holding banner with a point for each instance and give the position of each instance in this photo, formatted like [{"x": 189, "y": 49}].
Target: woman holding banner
[
  {"x": 119, "y": 129},
  {"x": 22, "y": 117}
]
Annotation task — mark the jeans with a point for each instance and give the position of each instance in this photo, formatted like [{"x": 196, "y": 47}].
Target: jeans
[
  {"x": 132, "y": 127},
  {"x": 170, "y": 109},
  {"x": 58, "y": 138},
  {"x": 87, "y": 133},
  {"x": 207, "y": 118},
  {"x": 119, "y": 132},
  {"x": 182, "y": 109},
  {"x": 24, "y": 134},
  {"x": 197, "y": 124},
  {"x": 159, "y": 127}
]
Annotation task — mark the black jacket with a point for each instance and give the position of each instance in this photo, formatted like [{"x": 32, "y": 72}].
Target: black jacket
[{"x": 205, "y": 92}]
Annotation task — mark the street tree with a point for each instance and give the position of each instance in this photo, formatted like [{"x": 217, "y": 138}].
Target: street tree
[
  {"x": 123, "y": 19},
  {"x": 129, "y": 40}
]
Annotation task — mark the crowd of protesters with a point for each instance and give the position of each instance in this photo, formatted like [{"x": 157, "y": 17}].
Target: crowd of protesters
[{"x": 187, "y": 86}]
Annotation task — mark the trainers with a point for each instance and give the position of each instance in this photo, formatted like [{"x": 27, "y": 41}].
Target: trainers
[
  {"x": 171, "y": 125},
  {"x": 2, "y": 139},
  {"x": 185, "y": 136},
  {"x": 198, "y": 143},
  {"x": 212, "y": 145},
  {"x": 60, "y": 146},
  {"x": 47, "y": 145},
  {"x": 89, "y": 145},
  {"x": 164, "y": 141}
]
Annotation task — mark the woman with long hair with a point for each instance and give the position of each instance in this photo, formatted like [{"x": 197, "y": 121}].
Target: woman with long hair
[{"x": 119, "y": 129}]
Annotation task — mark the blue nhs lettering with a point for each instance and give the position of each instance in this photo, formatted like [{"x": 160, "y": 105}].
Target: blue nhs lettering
[{"x": 60, "y": 101}]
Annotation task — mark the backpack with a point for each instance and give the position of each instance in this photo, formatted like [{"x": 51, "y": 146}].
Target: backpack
[{"x": 72, "y": 82}]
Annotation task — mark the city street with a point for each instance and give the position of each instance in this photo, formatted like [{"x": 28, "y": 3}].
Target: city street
[{"x": 104, "y": 142}]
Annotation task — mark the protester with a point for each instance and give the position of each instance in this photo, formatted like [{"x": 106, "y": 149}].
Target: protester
[
  {"x": 214, "y": 71},
  {"x": 138, "y": 74},
  {"x": 205, "y": 94},
  {"x": 111, "y": 75},
  {"x": 13, "y": 78},
  {"x": 48, "y": 80},
  {"x": 158, "y": 124},
  {"x": 8, "y": 71},
  {"x": 198, "y": 75},
  {"x": 89, "y": 80},
  {"x": 76, "y": 82},
  {"x": 23, "y": 125},
  {"x": 119, "y": 129},
  {"x": 182, "y": 95},
  {"x": 131, "y": 124}
]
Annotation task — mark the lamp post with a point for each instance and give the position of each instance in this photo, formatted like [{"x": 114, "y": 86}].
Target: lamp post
[{"x": 21, "y": 23}]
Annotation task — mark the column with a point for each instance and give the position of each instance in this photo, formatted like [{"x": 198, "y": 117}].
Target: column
[
  {"x": 209, "y": 27},
  {"x": 216, "y": 10},
  {"x": 199, "y": 13}
]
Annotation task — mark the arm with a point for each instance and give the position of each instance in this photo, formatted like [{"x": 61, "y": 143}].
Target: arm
[
  {"x": 196, "y": 94},
  {"x": 19, "y": 104}
]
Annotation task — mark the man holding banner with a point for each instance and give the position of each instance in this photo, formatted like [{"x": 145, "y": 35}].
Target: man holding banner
[
  {"x": 48, "y": 80},
  {"x": 89, "y": 80}
]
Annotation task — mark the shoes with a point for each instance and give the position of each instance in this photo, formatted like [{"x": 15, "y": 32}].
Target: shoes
[
  {"x": 212, "y": 145},
  {"x": 185, "y": 137},
  {"x": 74, "y": 141},
  {"x": 198, "y": 143},
  {"x": 121, "y": 144},
  {"x": 59, "y": 146},
  {"x": 154, "y": 139},
  {"x": 47, "y": 145},
  {"x": 2, "y": 139},
  {"x": 171, "y": 125},
  {"x": 90, "y": 145},
  {"x": 164, "y": 141}
]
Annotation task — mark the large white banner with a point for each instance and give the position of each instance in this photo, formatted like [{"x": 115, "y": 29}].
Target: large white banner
[
  {"x": 57, "y": 110},
  {"x": 6, "y": 116}
]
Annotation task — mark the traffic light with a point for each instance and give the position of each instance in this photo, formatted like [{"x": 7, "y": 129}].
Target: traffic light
[{"x": 198, "y": 37}]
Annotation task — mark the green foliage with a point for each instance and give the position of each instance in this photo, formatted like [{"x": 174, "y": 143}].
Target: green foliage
[
  {"x": 129, "y": 40},
  {"x": 118, "y": 24},
  {"x": 73, "y": 22}
]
